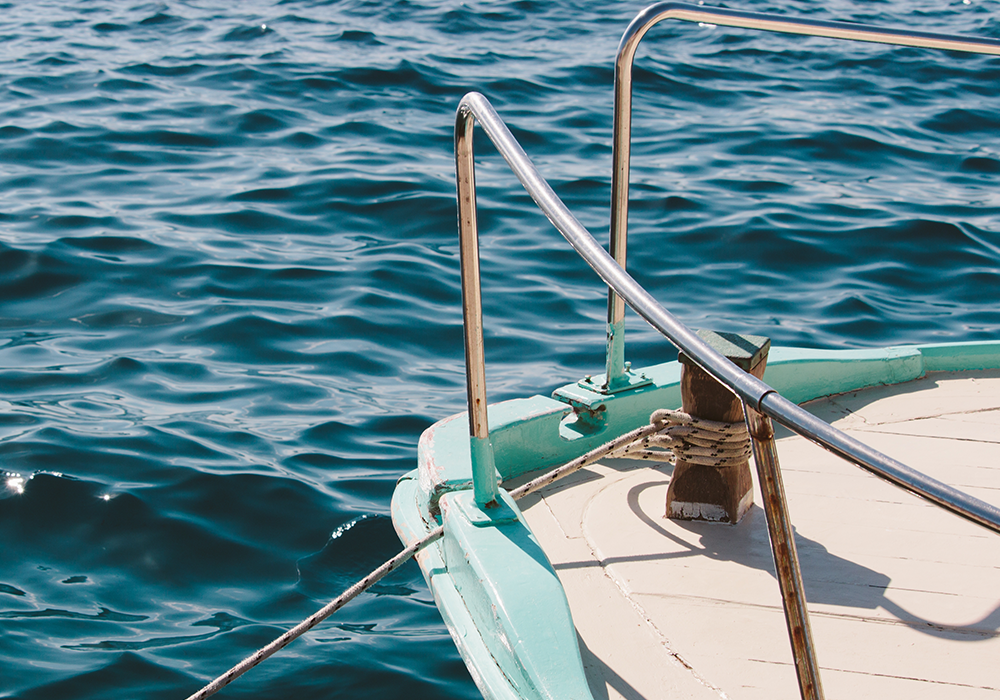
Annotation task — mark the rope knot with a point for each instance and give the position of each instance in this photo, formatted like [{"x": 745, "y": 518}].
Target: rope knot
[{"x": 680, "y": 435}]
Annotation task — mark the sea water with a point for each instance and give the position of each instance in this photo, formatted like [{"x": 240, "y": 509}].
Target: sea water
[{"x": 229, "y": 285}]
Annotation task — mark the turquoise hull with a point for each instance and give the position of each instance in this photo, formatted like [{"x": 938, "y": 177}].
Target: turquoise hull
[{"x": 499, "y": 596}]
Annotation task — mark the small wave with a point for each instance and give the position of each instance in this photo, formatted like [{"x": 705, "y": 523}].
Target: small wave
[{"x": 248, "y": 33}]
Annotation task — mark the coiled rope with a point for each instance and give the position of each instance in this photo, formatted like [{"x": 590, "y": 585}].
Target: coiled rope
[{"x": 669, "y": 436}]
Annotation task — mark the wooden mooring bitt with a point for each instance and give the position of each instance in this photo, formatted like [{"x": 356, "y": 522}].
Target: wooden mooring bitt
[{"x": 715, "y": 494}]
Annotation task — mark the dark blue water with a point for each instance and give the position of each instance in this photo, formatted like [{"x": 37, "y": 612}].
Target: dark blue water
[{"x": 229, "y": 297}]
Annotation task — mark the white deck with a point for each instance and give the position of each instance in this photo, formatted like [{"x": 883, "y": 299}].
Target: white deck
[{"x": 904, "y": 598}]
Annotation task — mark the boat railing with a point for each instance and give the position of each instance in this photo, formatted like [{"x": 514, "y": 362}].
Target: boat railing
[
  {"x": 624, "y": 60},
  {"x": 761, "y": 403}
]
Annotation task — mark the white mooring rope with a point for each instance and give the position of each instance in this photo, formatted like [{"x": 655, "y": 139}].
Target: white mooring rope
[
  {"x": 693, "y": 440},
  {"x": 670, "y": 435},
  {"x": 676, "y": 434},
  {"x": 317, "y": 617}
]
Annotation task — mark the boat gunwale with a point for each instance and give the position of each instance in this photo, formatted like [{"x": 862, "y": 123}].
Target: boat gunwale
[
  {"x": 469, "y": 471},
  {"x": 803, "y": 373}
]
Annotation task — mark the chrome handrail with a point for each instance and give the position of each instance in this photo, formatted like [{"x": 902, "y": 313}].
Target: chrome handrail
[
  {"x": 731, "y": 18},
  {"x": 754, "y": 392},
  {"x": 761, "y": 402},
  {"x": 758, "y": 394}
]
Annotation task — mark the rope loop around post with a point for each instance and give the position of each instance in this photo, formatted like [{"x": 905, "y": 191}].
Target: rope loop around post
[{"x": 679, "y": 435}]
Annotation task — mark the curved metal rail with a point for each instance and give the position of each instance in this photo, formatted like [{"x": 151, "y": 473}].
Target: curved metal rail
[
  {"x": 761, "y": 403},
  {"x": 752, "y": 391},
  {"x": 637, "y": 29}
]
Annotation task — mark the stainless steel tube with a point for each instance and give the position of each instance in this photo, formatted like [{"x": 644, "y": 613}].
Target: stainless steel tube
[
  {"x": 622, "y": 137},
  {"x": 761, "y": 403},
  {"x": 786, "y": 558},
  {"x": 750, "y": 389},
  {"x": 484, "y": 479},
  {"x": 472, "y": 311}
]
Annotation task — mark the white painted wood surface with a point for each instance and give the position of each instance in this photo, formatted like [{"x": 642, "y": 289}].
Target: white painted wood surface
[{"x": 904, "y": 597}]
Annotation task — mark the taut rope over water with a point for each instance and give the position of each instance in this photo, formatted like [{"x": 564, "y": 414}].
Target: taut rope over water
[
  {"x": 317, "y": 617},
  {"x": 673, "y": 433}
]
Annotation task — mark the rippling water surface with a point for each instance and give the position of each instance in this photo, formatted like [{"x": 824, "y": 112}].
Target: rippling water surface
[{"x": 229, "y": 297}]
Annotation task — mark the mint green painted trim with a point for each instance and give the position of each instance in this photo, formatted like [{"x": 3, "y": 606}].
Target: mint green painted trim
[
  {"x": 960, "y": 357},
  {"x": 802, "y": 374},
  {"x": 410, "y": 527},
  {"x": 488, "y": 677},
  {"x": 484, "y": 471},
  {"x": 411, "y": 523},
  {"x": 498, "y": 595},
  {"x": 444, "y": 457},
  {"x": 515, "y": 600},
  {"x": 614, "y": 369},
  {"x": 627, "y": 381},
  {"x": 480, "y": 566},
  {"x": 539, "y": 432},
  {"x": 496, "y": 513}
]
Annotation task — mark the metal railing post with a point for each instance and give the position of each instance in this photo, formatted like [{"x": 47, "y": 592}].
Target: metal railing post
[
  {"x": 761, "y": 403},
  {"x": 786, "y": 558},
  {"x": 750, "y": 389},
  {"x": 622, "y": 135},
  {"x": 484, "y": 480}
]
